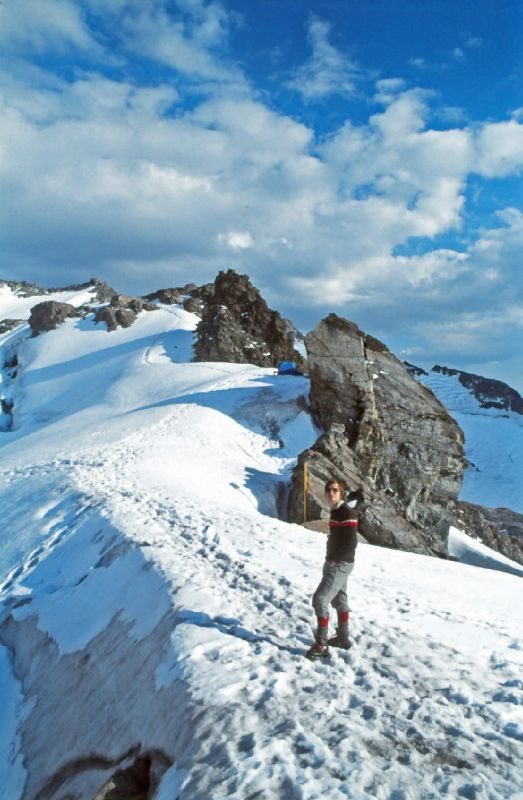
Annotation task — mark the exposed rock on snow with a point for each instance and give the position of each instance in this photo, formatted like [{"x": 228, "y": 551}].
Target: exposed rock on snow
[
  {"x": 122, "y": 311},
  {"x": 103, "y": 293},
  {"x": 48, "y": 315},
  {"x": 500, "y": 528},
  {"x": 509, "y": 522},
  {"x": 193, "y": 298},
  {"x": 7, "y": 325},
  {"x": 238, "y": 326},
  {"x": 24, "y": 289},
  {"x": 386, "y": 434}
]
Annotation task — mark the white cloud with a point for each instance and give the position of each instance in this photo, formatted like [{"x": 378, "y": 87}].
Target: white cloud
[
  {"x": 328, "y": 71},
  {"x": 499, "y": 149},
  {"x": 189, "y": 43},
  {"x": 237, "y": 240},
  {"x": 44, "y": 25}
]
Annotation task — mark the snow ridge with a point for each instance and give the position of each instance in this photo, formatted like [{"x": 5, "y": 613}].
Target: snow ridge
[{"x": 153, "y": 604}]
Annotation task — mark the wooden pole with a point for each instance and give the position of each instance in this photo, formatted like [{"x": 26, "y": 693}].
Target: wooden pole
[{"x": 305, "y": 493}]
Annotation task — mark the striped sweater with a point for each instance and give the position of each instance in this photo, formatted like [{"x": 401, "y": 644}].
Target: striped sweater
[{"x": 342, "y": 539}]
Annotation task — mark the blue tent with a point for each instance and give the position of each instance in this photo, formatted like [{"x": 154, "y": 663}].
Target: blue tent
[{"x": 288, "y": 368}]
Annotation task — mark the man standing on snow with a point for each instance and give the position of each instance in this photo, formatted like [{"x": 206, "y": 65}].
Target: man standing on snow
[{"x": 339, "y": 563}]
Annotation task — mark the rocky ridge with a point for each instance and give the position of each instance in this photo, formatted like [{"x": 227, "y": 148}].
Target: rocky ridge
[
  {"x": 488, "y": 392},
  {"x": 113, "y": 309}
]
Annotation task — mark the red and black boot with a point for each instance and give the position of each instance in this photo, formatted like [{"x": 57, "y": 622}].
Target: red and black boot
[
  {"x": 320, "y": 647},
  {"x": 341, "y": 639}
]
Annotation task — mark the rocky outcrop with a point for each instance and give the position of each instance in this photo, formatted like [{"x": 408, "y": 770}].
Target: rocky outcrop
[
  {"x": 122, "y": 311},
  {"x": 237, "y": 325},
  {"x": 49, "y": 315},
  {"x": 499, "y": 528},
  {"x": 508, "y": 522},
  {"x": 193, "y": 298},
  {"x": 385, "y": 434},
  {"x": 103, "y": 293}
]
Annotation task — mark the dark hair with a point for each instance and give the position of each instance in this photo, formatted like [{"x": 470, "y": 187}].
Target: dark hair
[{"x": 341, "y": 484}]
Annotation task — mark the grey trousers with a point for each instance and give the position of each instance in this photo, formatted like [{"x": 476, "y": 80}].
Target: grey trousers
[{"x": 332, "y": 588}]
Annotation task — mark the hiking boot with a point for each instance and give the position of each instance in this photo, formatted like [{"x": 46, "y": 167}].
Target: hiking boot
[
  {"x": 317, "y": 651},
  {"x": 341, "y": 638}
]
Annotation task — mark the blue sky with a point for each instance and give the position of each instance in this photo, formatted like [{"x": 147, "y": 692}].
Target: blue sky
[{"x": 358, "y": 157}]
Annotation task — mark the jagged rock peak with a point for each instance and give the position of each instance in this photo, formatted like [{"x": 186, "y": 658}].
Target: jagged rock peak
[
  {"x": 386, "y": 434},
  {"x": 488, "y": 392},
  {"x": 237, "y": 325},
  {"x": 413, "y": 370}
]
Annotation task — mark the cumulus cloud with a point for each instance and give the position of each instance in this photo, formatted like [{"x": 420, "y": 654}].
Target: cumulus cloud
[
  {"x": 499, "y": 148},
  {"x": 328, "y": 71}
]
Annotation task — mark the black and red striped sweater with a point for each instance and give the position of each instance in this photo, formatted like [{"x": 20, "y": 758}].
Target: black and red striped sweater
[{"x": 343, "y": 528}]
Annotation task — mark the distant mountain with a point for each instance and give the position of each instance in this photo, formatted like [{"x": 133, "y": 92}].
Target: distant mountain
[
  {"x": 488, "y": 392},
  {"x": 490, "y": 413}
]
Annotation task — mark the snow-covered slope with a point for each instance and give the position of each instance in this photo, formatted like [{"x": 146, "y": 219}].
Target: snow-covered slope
[
  {"x": 493, "y": 444},
  {"x": 153, "y": 604}
]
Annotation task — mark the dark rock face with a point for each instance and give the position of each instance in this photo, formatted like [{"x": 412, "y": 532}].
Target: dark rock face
[
  {"x": 237, "y": 325},
  {"x": 386, "y": 434},
  {"x": 488, "y": 392},
  {"x": 49, "y": 315},
  {"x": 499, "y": 528}
]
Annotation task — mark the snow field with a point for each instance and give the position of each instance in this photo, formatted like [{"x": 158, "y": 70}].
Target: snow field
[
  {"x": 153, "y": 603},
  {"x": 493, "y": 445}
]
